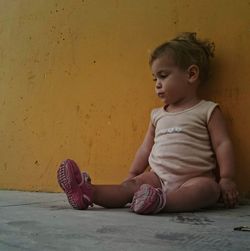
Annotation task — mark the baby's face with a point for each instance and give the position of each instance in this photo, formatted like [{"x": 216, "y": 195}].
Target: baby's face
[{"x": 171, "y": 83}]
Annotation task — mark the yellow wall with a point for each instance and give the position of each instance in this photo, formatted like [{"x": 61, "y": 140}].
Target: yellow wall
[{"x": 75, "y": 82}]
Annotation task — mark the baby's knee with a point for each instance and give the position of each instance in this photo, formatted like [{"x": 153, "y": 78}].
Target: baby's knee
[
  {"x": 205, "y": 185},
  {"x": 211, "y": 186},
  {"x": 131, "y": 183}
]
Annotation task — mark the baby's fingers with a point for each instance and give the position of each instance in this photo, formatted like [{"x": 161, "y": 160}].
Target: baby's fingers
[{"x": 231, "y": 199}]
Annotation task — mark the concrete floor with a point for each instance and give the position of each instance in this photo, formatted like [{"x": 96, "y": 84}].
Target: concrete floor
[{"x": 44, "y": 221}]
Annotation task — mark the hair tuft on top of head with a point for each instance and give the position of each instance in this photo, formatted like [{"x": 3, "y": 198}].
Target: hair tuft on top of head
[{"x": 206, "y": 45}]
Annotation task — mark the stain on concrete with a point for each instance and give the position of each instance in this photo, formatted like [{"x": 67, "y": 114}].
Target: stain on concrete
[
  {"x": 194, "y": 240},
  {"x": 60, "y": 208},
  {"x": 22, "y": 223},
  {"x": 193, "y": 220},
  {"x": 173, "y": 236},
  {"x": 113, "y": 229}
]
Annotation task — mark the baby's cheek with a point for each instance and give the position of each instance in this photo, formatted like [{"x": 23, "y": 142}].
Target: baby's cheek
[{"x": 170, "y": 88}]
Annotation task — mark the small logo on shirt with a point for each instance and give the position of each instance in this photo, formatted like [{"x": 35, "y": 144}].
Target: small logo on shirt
[
  {"x": 171, "y": 130},
  {"x": 174, "y": 129}
]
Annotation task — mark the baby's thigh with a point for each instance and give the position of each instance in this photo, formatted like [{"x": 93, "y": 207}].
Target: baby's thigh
[
  {"x": 203, "y": 184},
  {"x": 148, "y": 178}
]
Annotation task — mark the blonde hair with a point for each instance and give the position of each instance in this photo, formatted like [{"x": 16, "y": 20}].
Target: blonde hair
[{"x": 186, "y": 49}]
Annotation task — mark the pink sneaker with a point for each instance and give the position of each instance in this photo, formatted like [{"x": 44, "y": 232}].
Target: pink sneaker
[
  {"x": 75, "y": 184},
  {"x": 148, "y": 200}
]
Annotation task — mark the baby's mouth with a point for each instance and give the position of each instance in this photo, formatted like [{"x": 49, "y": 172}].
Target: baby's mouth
[{"x": 161, "y": 94}]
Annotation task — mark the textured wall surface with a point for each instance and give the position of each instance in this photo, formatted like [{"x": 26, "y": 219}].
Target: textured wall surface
[{"x": 75, "y": 82}]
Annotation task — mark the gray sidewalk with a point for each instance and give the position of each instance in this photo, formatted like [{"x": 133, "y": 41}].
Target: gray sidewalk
[{"x": 44, "y": 221}]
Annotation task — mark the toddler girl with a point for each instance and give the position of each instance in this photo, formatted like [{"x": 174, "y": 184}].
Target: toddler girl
[{"x": 186, "y": 140}]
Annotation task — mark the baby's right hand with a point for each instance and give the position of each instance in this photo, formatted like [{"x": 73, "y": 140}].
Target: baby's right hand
[{"x": 229, "y": 192}]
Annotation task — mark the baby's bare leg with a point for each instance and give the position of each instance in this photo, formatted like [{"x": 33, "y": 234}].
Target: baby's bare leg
[
  {"x": 114, "y": 196},
  {"x": 194, "y": 194}
]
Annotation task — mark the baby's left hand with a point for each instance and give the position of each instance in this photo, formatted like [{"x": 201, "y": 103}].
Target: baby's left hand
[{"x": 229, "y": 192}]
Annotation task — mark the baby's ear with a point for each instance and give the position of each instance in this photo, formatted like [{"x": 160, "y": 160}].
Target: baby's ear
[{"x": 193, "y": 73}]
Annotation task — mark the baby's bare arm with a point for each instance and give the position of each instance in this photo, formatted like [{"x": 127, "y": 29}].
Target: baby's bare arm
[
  {"x": 225, "y": 157},
  {"x": 140, "y": 162}
]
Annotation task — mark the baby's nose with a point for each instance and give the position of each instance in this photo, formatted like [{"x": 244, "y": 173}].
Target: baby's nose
[{"x": 158, "y": 84}]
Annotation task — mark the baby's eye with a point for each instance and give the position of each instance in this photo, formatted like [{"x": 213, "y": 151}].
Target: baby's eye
[
  {"x": 154, "y": 79},
  {"x": 163, "y": 76}
]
